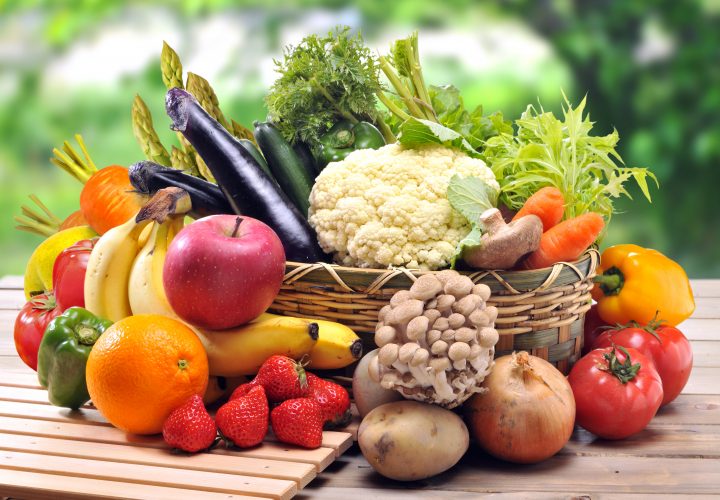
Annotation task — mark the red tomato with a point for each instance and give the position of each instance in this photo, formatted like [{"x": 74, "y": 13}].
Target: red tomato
[
  {"x": 69, "y": 274},
  {"x": 30, "y": 326},
  {"x": 593, "y": 328},
  {"x": 607, "y": 406},
  {"x": 665, "y": 346}
]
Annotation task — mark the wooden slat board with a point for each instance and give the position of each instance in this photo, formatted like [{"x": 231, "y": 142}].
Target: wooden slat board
[{"x": 50, "y": 452}]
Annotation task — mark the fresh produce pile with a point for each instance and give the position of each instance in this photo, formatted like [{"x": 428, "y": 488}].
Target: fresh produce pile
[{"x": 169, "y": 266}]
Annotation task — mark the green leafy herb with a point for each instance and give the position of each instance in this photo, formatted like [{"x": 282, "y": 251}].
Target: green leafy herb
[
  {"x": 323, "y": 80},
  {"x": 547, "y": 151},
  {"x": 470, "y": 196}
]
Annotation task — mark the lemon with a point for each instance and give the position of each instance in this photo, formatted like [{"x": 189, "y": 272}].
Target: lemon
[{"x": 38, "y": 273}]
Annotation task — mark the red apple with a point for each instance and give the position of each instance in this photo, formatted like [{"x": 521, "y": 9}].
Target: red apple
[{"x": 223, "y": 271}]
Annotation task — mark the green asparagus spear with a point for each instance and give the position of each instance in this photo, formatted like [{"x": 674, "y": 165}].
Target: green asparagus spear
[{"x": 145, "y": 134}]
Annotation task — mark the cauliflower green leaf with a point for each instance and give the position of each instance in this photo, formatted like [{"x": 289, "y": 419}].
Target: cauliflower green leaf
[
  {"x": 470, "y": 196},
  {"x": 415, "y": 132}
]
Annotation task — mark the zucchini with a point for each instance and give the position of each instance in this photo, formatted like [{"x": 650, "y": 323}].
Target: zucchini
[
  {"x": 306, "y": 157},
  {"x": 248, "y": 189},
  {"x": 255, "y": 152},
  {"x": 207, "y": 199},
  {"x": 285, "y": 165}
]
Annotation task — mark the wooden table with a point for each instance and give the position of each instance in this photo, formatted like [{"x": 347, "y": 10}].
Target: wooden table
[{"x": 676, "y": 456}]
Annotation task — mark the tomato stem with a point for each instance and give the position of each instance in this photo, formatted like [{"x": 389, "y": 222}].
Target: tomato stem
[{"x": 625, "y": 371}]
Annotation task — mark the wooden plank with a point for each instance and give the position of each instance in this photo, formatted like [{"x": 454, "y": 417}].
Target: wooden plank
[
  {"x": 302, "y": 474},
  {"x": 41, "y": 486},
  {"x": 688, "y": 410},
  {"x": 11, "y": 282},
  {"x": 51, "y": 413},
  {"x": 26, "y": 379},
  {"x": 701, "y": 329},
  {"x": 396, "y": 491},
  {"x": 149, "y": 474},
  {"x": 11, "y": 300},
  {"x": 13, "y": 403},
  {"x": 479, "y": 473},
  {"x": 12, "y": 364},
  {"x": 698, "y": 441},
  {"x": 319, "y": 458},
  {"x": 706, "y": 353},
  {"x": 703, "y": 380},
  {"x": 707, "y": 308},
  {"x": 705, "y": 288}
]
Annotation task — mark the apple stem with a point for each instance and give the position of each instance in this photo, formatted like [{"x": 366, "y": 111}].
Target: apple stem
[{"x": 238, "y": 221}]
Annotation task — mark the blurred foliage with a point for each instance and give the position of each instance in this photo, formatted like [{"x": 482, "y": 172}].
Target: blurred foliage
[
  {"x": 663, "y": 96},
  {"x": 650, "y": 69}
]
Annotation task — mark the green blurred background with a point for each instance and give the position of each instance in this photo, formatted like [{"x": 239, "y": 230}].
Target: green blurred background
[{"x": 650, "y": 69}]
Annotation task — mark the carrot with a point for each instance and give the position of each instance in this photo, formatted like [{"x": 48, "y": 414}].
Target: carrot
[
  {"x": 566, "y": 241},
  {"x": 547, "y": 203}
]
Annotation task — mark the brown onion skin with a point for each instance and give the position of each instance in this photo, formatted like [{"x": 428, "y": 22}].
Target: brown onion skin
[{"x": 519, "y": 425}]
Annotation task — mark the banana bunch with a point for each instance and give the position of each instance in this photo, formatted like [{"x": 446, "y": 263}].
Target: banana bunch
[
  {"x": 124, "y": 272},
  {"x": 241, "y": 350}
]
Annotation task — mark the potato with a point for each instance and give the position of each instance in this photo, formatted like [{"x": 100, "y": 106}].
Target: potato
[
  {"x": 409, "y": 440},
  {"x": 367, "y": 393}
]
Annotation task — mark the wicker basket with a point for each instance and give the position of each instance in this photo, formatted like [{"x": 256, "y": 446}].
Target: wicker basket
[{"x": 540, "y": 311}]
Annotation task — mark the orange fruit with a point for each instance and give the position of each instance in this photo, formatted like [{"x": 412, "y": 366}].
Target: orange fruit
[{"x": 142, "y": 368}]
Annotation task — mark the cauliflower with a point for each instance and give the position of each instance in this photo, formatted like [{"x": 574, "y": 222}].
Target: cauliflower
[{"x": 389, "y": 207}]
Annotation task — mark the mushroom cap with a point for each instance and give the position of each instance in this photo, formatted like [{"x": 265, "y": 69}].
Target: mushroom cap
[
  {"x": 405, "y": 311},
  {"x": 388, "y": 354},
  {"x": 425, "y": 287},
  {"x": 503, "y": 245}
]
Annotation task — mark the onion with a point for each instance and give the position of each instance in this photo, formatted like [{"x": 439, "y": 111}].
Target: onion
[{"x": 528, "y": 412}]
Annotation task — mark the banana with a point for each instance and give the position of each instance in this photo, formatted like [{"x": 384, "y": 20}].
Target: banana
[
  {"x": 108, "y": 270},
  {"x": 219, "y": 388},
  {"x": 337, "y": 347},
  {"x": 145, "y": 285},
  {"x": 241, "y": 351}
]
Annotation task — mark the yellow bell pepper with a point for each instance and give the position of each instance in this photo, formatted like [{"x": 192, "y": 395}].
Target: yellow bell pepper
[{"x": 635, "y": 283}]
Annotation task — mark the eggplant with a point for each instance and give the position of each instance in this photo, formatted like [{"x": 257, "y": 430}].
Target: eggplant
[
  {"x": 148, "y": 177},
  {"x": 248, "y": 189}
]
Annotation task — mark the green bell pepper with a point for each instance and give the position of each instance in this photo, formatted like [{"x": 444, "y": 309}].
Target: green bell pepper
[
  {"x": 345, "y": 137},
  {"x": 63, "y": 354}
]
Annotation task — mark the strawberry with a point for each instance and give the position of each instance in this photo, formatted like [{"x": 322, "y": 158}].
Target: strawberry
[
  {"x": 298, "y": 421},
  {"x": 333, "y": 399},
  {"x": 244, "y": 420},
  {"x": 189, "y": 427},
  {"x": 282, "y": 378},
  {"x": 243, "y": 389}
]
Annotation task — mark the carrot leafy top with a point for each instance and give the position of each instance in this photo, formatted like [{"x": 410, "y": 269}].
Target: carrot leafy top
[{"x": 547, "y": 151}]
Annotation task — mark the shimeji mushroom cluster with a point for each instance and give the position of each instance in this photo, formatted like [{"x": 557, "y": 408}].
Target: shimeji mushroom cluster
[{"x": 437, "y": 339}]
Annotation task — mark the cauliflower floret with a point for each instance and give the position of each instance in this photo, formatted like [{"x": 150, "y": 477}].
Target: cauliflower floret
[{"x": 389, "y": 207}]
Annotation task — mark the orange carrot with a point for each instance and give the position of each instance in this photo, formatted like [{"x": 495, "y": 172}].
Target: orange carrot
[
  {"x": 547, "y": 203},
  {"x": 566, "y": 241}
]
